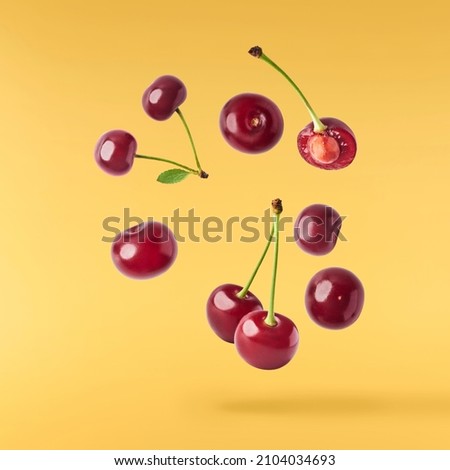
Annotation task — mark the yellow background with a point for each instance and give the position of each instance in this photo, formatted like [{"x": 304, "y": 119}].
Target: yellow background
[{"x": 90, "y": 359}]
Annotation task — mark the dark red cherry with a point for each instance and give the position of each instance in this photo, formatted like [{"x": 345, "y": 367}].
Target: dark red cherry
[
  {"x": 332, "y": 149},
  {"x": 317, "y": 228},
  {"x": 144, "y": 251},
  {"x": 115, "y": 151},
  {"x": 264, "y": 346},
  {"x": 163, "y": 97},
  {"x": 224, "y": 309},
  {"x": 251, "y": 123},
  {"x": 334, "y": 298}
]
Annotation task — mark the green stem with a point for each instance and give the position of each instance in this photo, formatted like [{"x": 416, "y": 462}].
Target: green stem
[
  {"x": 319, "y": 126},
  {"x": 159, "y": 159},
  {"x": 245, "y": 289},
  {"x": 270, "y": 318},
  {"x": 183, "y": 120}
]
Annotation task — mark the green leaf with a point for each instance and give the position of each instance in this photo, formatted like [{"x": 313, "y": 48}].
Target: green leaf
[{"x": 172, "y": 176}]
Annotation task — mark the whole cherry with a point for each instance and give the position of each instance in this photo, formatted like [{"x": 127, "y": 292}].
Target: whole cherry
[
  {"x": 145, "y": 250},
  {"x": 160, "y": 101},
  {"x": 163, "y": 97},
  {"x": 251, "y": 123},
  {"x": 115, "y": 151},
  {"x": 317, "y": 228},
  {"x": 334, "y": 298},
  {"x": 266, "y": 346},
  {"x": 326, "y": 143},
  {"x": 263, "y": 338},
  {"x": 225, "y": 308}
]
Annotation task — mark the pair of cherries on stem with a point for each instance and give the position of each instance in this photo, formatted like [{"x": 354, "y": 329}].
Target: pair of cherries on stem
[
  {"x": 116, "y": 149},
  {"x": 263, "y": 338},
  {"x": 252, "y": 123}
]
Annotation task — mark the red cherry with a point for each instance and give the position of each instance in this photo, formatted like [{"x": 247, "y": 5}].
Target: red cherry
[
  {"x": 163, "y": 97},
  {"x": 144, "y": 251},
  {"x": 332, "y": 149},
  {"x": 316, "y": 229},
  {"x": 225, "y": 309},
  {"x": 251, "y": 123},
  {"x": 334, "y": 298},
  {"x": 115, "y": 151},
  {"x": 263, "y": 346}
]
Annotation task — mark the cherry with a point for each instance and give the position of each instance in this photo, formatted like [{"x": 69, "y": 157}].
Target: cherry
[
  {"x": 263, "y": 338},
  {"x": 326, "y": 143},
  {"x": 334, "y": 298},
  {"x": 115, "y": 152},
  {"x": 332, "y": 149},
  {"x": 163, "y": 97},
  {"x": 264, "y": 346},
  {"x": 251, "y": 123},
  {"x": 317, "y": 228},
  {"x": 225, "y": 309},
  {"x": 160, "y": 100},
  {"x": 145, "y": 250}
]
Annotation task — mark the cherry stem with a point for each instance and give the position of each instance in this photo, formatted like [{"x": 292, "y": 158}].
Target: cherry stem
[
  {"x": 257, "y": 52},
  {"x": 183, "y": 120},
  {"x": 277, "y": 209},
  {"x": 241, "y": 294},
  {"x": 159, "y": 159}
]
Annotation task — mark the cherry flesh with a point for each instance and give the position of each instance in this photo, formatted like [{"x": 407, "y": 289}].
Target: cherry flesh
[
  {"x": 264, "y": 346},
  {"x": 115, "y": 151},
  {"x": 251, "y": 123},
  {"x": 334, "y": 298},
  {"x": 332, "y": 149},
  {"x": 145, "y": 250},
  {"x": 317, "y": 228},
  {"x": 163, "y": 97},
  {"x": 224, "y": 309}
]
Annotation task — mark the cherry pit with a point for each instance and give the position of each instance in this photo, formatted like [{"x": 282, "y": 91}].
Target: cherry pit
[{"x": 250, "y": 123}]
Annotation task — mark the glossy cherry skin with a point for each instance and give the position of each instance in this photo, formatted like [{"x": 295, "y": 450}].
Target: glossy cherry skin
[
  {"x": 317, "y": 228},
  {"x": 251, "y": 123},
  {"x": 115, "y": 151},
  {"x": 224, "y": 309},
  {"x": 162, "y": 98},
  {"x": 264, "y": 346},
  {"x": 144, "y": 251},
  {"x": 334, "y": 298},
  {"x": 333, "y": 149}
]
